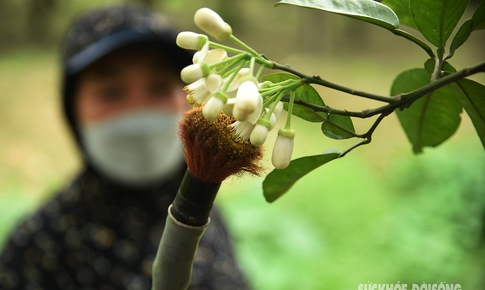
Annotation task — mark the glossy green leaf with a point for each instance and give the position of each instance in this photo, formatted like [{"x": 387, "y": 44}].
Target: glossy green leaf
[
  {"x": 471, "y": 95},
  {"x": 462, "y": 35},
  {"x": 436, "y": 20},
  {"x": 366, "y": 10},
  {"x": 401, "y": 8},
  {"x": 335, "y": 132},
  {"x": 431, "y": 119},
  {"x": 279, "y": 181},
  {"x": 479, "y": 17},
  {"x": 305, "y": 93},
  {"x": 475, "y": 23}
]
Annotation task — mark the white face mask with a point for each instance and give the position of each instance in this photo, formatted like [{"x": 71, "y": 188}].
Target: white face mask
[{"x": 136, "y": 148}]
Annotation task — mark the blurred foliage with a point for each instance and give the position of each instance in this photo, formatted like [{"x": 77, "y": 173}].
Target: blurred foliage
[{"x": 346, "y": 225}]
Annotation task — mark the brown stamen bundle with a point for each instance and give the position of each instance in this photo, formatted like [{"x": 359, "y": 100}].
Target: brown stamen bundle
[{"x": 212, "y": 151}]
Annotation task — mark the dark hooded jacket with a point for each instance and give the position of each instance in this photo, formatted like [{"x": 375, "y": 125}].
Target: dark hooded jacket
[{"x": 97, "y": 234}]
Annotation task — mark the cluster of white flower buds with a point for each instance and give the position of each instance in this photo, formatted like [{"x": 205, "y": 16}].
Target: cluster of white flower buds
[{"x": 229, "y": 84}]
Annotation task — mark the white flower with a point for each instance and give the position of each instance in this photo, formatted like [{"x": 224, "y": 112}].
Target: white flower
[
  {"x": 215, "y": 55},
  {"x": 213, "y": 82},
  {"x": 196, "y": 56},
  {"x": 197, "y": 93},
  {"x": 272, "y": 121},
  {"x": 235, "y": 82},
  {"x": 209, "y": 21},
  {"x": 256, "y": 114},
  {"x": 214, "y": 105},
  {"x": 191, "y": 40},
  {"x": 249, "y": 102},
  {"x": 202, "y": 54},
  {"x": 283, "y": 148},
  {"x": 194, "y": 72},
  {"x": 242, "y": 129},
  {"x": 278, "y": 110},
  {"x": 260, "y": 132},
  {"x": 210, "y": 57},
  {"x": 229, "y": 105},
  {"x": 275, "y": 115}
]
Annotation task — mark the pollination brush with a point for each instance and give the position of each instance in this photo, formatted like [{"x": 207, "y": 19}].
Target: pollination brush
[{"x": 212, "y": 152}]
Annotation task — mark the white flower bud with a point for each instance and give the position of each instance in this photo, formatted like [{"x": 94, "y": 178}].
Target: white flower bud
[
  {"x": 209, "y": 21},
  {"x": 229, "y": 106},
  {"x": 191, "y": 40},
  {"x": 194, "y": 72},
  {"x": 212, "y": 108},
  {"x": 248, "y": 101},
  {"x": 272, "y": 121},
  {"x": 256, "y": 114},
  {"x": 260, "y": 132},
  {"x": 278, "y": 110},
  {"x": 283, "y": 148}
]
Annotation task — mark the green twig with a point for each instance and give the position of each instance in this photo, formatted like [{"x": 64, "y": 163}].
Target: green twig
[
  {"x": 319, "y": 81},
  {"x": 367, "y": 137},
  {"x": 408, "y": 98},
  {"x": 403, "y": 100}
]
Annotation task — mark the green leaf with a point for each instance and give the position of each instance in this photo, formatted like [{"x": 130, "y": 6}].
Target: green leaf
[
  {"x": 462, "y": 35},
  {"x": 431, "y": 119},
  {"x": 479, "y": 17},
  {"x": 305, "y": 93},
  {"x": 471, "y": 95},
  {"x": 334, "y": 132},
  {"x": 475, "y": 23},
  {"x": 279, "y": 181},
  {"x": 366, "y": 10},
  {"x": 401, "y": 8},
  {"x": 436, "y": 20}
]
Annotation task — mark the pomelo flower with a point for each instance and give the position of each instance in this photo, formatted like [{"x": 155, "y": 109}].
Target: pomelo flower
[
  {"x": 249, "y": 102},
  {"x": 194, "y": 72},
  {"x": 275, "y": 115},
  {"x": 191, "y": 40},
  {"x": 260, "y": 132},
  {"x": 214, "y": 105},
  {"x": 197, "y": 93},
  {"x": 213, "y": 82},
  {"x": 283, "y": 148},
  {"x": 209, "y": 21},
  {"x": 229, "y": 105}
]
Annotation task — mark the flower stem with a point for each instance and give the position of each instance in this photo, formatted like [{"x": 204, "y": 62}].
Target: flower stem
[
  {"x": 290, "y": 109},
  {"x": 260, "y": 71},
  {"x": 234, "y": 74},
  {"x": 232, "y": 59},
  {"x": 243, "y": 45},
  {"x": 225, "y": 47}
]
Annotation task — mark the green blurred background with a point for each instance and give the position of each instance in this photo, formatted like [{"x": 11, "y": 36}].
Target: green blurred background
[{"x": 379, "y": 215}]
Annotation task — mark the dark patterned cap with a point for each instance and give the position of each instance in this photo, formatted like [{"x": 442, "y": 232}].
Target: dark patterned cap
[{"x": 98, "y": 32}]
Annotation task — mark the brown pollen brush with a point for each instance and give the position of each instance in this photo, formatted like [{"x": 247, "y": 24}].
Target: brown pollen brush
[{"x": 212, "y": 153}]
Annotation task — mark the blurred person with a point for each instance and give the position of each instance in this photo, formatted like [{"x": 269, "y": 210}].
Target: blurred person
[{"x": 122, "y": 98}]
